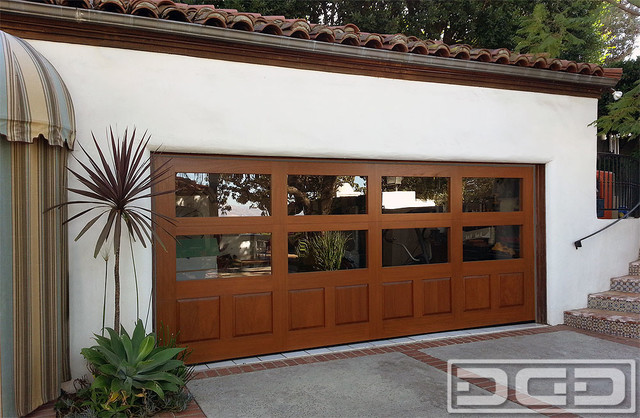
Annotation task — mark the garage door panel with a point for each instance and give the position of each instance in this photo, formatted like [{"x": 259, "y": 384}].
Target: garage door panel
[
  {"x": 198, "y": 319},
  {"x": 328, "y": 278},
  {"x": 351, "y": 304},
  {"x": 252, "y": 314},
  {"x": 391, "y": 220},
  {"x": 492, "y": 218},
  {"x": 436, "y": 296},
  {"x": 306, "y": 308},
  {"x": 311, "y": 222},
  {"x": 477, "y": 292},
  {"x": 228, "y": 225},
  {"x": 415, "y": 267},
  {"x": 511, "y": 289},
  {"x": 421, "y": 271},
  {"x": 397, "y": 300},
  {"x": 471, "y": 268},
  {"x": 226, "y": 165},
  {"x": 219, "y": 287}
]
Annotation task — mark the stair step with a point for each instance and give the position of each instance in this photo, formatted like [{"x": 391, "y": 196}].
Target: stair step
[
  {"x": 613, "y": 323},
  {"x": 627, "y": 283},
  {"x": 615, "y": 301},
  {"x": 634, "y": 268}
]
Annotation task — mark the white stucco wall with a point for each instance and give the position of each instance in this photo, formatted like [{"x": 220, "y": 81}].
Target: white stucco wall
[{"x": 205, "y": 106}]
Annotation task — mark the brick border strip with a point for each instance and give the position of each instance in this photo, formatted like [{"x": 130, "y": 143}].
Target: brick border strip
[
  {"x": 397, "y": 348},
  {"x": 488, "y": 385}
]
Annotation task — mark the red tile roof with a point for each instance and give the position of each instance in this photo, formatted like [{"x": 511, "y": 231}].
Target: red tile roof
[{"x": 348, "y": 34}]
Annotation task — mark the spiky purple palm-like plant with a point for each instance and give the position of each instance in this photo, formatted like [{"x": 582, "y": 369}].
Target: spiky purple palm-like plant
[{"x": 114, "y": 188}]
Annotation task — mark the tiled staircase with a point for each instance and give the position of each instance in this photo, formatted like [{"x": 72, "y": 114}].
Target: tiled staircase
[{"x": 615, "y": 312}]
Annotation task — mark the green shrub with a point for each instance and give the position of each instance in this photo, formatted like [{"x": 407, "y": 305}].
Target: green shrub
[{"x": 133, "y": 376}]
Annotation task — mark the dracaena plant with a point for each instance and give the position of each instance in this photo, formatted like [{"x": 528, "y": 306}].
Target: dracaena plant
[{"x": 114, "y": 184}]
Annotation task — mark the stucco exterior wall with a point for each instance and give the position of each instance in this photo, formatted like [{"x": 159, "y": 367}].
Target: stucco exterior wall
[{"x": 205, "y": 106}]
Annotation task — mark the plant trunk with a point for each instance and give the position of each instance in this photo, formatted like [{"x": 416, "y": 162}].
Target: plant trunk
[{"x": 116, "y": 294}]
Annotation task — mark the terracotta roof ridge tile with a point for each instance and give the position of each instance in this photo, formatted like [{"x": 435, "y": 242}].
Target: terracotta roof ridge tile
[{"x": 348, "y": 34}]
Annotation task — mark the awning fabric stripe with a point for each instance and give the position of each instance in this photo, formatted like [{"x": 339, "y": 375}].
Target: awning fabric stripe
[{"x": 35, "y": 102}]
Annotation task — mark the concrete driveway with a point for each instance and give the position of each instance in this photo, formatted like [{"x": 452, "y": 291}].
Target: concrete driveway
[{"x": 409, "y": 377}]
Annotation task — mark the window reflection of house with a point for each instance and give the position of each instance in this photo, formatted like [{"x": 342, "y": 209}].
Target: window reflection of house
[{"x": 219, "y": 256}]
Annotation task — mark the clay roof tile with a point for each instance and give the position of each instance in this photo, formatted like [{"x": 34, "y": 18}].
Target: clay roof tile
[
  {"x": 240, "y": 21},
  {"x": 540, "y": 62},
  {"x": 569, "y": 66},
  {"x": 269, "y": 28},
  {"x": 348, "y": 34},
  {"x": 460, "y": 51},
  {"x": 145, "y": 8},
  {"x": 480, "y": 54},
  {"x": 555, "y": 64},
  {"x": 371, "y": 40},
  {"x": 210, "y": 17},
  {"x": 521, "y": 60},
  {"x": 418, "y": 47},
  {"x": 438, "y": 48},
  {"x": 346, "y": 38},
  {"x": 80, "y": 4},
  {"x": 297, "y": 28},
  {"x": 501, "y": 56},
  {"x": 113, "y": 6},
  {"x": 322, "y": 33}
]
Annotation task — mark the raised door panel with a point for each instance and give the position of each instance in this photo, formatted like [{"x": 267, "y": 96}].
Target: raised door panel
[
  {"x": 352, "y": 304},
  {"x": 477, "y": 292},
  {"x": 437, "y": 296},
  {"x": 306, "y": 309},
  {"x": 252, "y": 314},
  {"x": 511, "y": 289},
  {"x": 199, "y": 319},
  {"x": 397, "y": 300}
]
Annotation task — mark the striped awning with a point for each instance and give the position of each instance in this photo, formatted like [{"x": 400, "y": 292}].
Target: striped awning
[{"x": 34, "y": 101}]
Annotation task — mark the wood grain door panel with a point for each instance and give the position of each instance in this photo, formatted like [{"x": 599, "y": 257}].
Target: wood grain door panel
[{"x": 244, "y": 315}]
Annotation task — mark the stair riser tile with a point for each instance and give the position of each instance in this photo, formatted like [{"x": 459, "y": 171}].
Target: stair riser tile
[
  {"x": 603, "y": 326},
  {"x": 621, "y": 285},
  {"x": 634, "y": 269},
  {"x": 614, "y": 305}
]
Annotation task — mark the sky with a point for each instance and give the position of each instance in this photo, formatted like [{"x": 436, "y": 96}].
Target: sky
[{"x": 636, "y": 51}]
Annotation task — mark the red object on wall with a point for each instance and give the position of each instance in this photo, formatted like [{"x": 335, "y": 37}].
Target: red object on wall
[{"x": 605, "y": 191}]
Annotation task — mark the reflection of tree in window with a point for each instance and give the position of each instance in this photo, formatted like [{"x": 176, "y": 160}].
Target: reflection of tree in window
[
  {"x": 415, "y": 194},
  {"x": 216, "y": 194},
  {"x": 326, "y": 195},
  {"x": 489, "y": 194}
]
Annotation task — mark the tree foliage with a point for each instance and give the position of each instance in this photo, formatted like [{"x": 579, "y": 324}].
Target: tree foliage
[
  {"x": 584, "y": 30},
  {"x": 622, "y": 117}
]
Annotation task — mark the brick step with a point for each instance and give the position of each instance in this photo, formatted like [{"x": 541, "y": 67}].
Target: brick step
[
  {"x": 634, "y": 268},
  {"x": 615, "y": 301},
  {"x": 627, "y": 283},
  {"x": 613, "y": 323}
]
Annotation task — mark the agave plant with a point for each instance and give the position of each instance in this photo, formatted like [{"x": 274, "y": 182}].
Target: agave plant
[
  {"x": 113, "y": 187},
  {"x": 129, "y": 370}
]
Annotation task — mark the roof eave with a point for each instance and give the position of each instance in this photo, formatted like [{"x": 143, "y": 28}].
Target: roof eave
[{"x": 296, "y": 45}]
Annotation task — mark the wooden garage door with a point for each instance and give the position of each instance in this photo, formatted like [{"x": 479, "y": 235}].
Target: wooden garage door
[{"x": 274, "y": 255}]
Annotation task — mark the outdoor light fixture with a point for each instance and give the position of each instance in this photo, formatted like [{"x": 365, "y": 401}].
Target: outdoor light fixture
[{"x": 617, "y": 94}]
